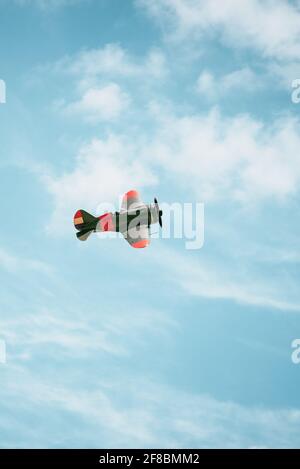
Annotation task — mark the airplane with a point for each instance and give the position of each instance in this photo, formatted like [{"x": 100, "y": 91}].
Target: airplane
[{"x": 133, "y": 221}]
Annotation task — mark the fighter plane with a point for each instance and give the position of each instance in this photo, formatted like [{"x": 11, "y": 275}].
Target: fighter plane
[{"x": 133, "y": 221}]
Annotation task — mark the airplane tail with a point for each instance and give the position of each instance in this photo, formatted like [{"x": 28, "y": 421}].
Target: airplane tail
[{"x": 85, "y": 224}]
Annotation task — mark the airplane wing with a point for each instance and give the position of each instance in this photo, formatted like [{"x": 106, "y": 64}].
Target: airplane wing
[
  {"x": 131, "y": 200},
  {"x": 138, "y": 236}
]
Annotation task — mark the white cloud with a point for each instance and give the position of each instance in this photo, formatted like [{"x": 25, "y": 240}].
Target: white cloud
[
  {"x": 243, "y": 78},
  {"x": 238, "y": 158},
  {"x": 99, "y": 104},
  {"x": 215, "y": 157},
  {"x": 104, "y": 170},
  {"x": 97, "y": 74},
  {"x": 215, "y": 87},
  {"x": 271, "y": 27},
  {"x": 207, "y": 84},
  {"x": 285, "y": 73},
  {"x": 112, "y": 60}
]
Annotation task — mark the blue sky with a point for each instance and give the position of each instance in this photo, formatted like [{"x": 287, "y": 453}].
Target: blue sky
[{"x": 166, "y": 347}]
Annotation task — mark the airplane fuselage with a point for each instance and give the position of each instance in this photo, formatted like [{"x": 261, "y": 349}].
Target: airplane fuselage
[{"x": 124, "y": 220}]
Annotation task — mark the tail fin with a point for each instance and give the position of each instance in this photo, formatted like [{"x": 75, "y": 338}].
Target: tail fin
[{"x": 85, "y": 224}]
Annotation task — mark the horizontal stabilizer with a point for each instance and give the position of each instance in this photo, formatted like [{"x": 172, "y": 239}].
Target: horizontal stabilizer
[{"x": 84, "y": 234}]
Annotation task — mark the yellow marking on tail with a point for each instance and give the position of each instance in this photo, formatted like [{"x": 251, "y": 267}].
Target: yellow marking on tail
[{"x": 78, "y": 221}]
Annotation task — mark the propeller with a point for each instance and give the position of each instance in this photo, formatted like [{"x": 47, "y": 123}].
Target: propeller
[{"x": 160, "y": 212}]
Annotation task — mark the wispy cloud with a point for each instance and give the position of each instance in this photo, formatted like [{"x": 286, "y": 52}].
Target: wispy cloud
[
  {"x": 115, "y": 335},
  {"x": 207, "y": 278},
  {"x": 74, "y": 338},
  {"x": 112, "y": 60},
  {"x": 159, "y": 416},
  {"x": 14, "y": 263},
  {"x": 213, "y": 87}
]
